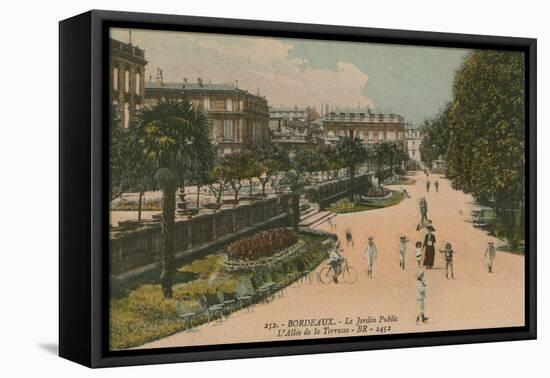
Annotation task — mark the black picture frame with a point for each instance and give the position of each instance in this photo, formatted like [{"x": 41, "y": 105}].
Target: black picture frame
[{"x": 83, "y": 180}]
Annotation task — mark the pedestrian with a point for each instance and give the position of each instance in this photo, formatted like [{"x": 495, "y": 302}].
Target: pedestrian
[
  {"x": 423, "y": 209},
  {"x": 436, "y": 184},
  {"x": 370, "y": 254},
  {"x": 429, "y": 248},
  {"x": 418, "y": 253},
  {"x": 349, "y": 237},
  {"x": 490, "y": 253},
  {"x": 427, "y": 185},
  {"x": 448, "y": 251},
  {"x": 420, "y": 295},
  {"x": 402, "y": 250},
  {"x": 331, "y": 223},
  {"x": 335, "y": 261}
]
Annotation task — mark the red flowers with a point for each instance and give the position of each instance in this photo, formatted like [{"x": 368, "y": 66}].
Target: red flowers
[{"x": 262, "y": 244}]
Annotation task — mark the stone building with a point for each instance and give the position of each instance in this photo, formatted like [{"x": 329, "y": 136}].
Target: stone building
[
  {"x": 237, "y": 117},
  {"x": 368, "y": 126},
  {"x": 126, "y": 80},
  {"x": 413, "y": 139},
  {"x": 293, "y": 127}
]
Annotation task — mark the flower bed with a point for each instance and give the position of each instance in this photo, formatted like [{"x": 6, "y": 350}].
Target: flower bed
[
  {"x": 234, "y": 265},
  {"x": 377, "y": 192},
  {"x": 262, "y": 244}
]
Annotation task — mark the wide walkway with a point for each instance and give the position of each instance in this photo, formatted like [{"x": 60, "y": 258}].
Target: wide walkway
[{"x": 474, "y": 299}]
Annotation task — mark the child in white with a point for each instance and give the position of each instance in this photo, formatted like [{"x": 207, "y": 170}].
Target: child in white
[
  {"x": 490, "y": 254},
  {"x": 402, "y": 251},
  {"x": 370, "y": 255},
  {"x": 418, "y": 253},
  {"x": 420, "y": 295}
]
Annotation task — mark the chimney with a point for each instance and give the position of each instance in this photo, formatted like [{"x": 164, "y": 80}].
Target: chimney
[{"x": 199, "y": 82}]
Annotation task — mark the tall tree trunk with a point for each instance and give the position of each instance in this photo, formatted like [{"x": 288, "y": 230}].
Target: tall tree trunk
[
  {"x": 168, "y": 225},
  {"x": 139, "y": 204},
  {"x": 250, "y": 186},
  {"x": 295, "y": 211},
  {"x": 198, "y": 196}
]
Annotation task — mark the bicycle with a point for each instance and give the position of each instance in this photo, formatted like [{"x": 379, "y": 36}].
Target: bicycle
[{"x": 348, "y": 274}]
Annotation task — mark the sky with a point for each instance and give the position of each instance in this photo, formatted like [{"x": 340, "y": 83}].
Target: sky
[{"x": 412, "y": 81}]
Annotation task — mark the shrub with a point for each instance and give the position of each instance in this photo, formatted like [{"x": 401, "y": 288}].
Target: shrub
[{"x": 262, "y": 244}]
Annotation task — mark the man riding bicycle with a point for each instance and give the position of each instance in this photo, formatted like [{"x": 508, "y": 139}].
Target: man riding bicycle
[{"x": 335, "y": 261}]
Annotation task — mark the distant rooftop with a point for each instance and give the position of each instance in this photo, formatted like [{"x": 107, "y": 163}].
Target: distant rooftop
[
  {"x": 288, "y": 109},
  {"x": 127, "y": 49},
  {"x": 203, "y": 87}
]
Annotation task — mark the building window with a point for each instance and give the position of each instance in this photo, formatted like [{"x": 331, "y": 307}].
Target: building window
[
  {"x": 127, "y": 81},
  {"x": 380, "y": 135},
  {"x": 228, "y": 129},
  {"x": 371, "y": 135},
  {"x": 126, "y": 120},
  {"x": 206, "y": 103},
  {"x": 138, "y": 83},
  {"x": 229, "y": 105},
  {"x": 115, "y": 78}
]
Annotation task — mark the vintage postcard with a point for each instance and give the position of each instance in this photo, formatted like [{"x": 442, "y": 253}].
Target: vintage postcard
[{"x": 269, "y": 189}]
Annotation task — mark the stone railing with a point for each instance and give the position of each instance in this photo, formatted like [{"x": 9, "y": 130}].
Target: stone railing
[
  {"x": 326, "y": 193},
  {"x": 141, "y": 248}
]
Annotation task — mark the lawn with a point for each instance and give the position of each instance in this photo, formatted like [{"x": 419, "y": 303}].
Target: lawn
[
  {"x": 344, "y": 206},
  {"x": 140, "y": 314}
]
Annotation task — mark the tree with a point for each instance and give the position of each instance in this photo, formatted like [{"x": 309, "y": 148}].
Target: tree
[
  {"x": 119, "y": 170},
  {"x": 236, "y": 166},
  {"x": 218, "y": 180},
  {"x": 436, "y": 136},
  {"x": 174, "y": 138},
  {"x": 296, "y": 182},
  {"x": 486, "y": 152},
  {"x": 381, "y": 153},
  {"x": 352, "y": 153},
  {"x": 271, "y": 160}
]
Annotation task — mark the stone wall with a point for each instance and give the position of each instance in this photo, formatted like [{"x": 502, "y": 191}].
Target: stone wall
[
  {"x": 141, "y": 249},
  {"x": 328, "y": 192}
]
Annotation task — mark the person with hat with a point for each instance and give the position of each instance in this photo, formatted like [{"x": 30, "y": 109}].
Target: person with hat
[
  {"x": 427, "y": 185},
  {"x": 429, "y": 247},
  {"x": 420, "y": 295},
  {"x": 402, "y": 250},
  {"x": 448, "y": 251},
  {"x": 436, "y": 184},
  {"x": 490, "y": 253},
  {"x": 370, "y": 254}
]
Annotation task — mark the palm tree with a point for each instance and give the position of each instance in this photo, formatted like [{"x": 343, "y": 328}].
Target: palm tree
[
  {"x": 353, "y": 153},
  {"x": 174, "y": 137}
]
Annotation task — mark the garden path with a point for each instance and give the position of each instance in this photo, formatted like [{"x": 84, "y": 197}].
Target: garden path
[{"x": 474, "y": 299}]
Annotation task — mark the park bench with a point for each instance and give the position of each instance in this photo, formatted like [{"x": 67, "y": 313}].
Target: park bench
[
  {"x": 213, "y": 305},
  {"x": 187, "y": 312},
  {"x": 245, "y": 292}
]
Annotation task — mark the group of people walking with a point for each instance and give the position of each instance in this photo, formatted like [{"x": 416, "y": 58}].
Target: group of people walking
[{"x": 425, "y": 252}]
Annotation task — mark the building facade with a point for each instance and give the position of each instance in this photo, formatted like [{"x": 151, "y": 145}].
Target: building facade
[
  {"x": 413, "y": 139},
  {"x": 126, "y": 80},
  {"x": 236, "y": 116},
  {"x": 369, "y": 127},
  {"x": 293, "y": 127}
]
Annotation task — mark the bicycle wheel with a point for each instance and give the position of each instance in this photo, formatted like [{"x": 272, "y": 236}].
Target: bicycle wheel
[
  {"x": 349, "y": 275},
  {"x": 325, "y": 275}
]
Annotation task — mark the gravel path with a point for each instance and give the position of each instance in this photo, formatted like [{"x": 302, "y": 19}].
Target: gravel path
[{"x": 474, "y": 299}]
